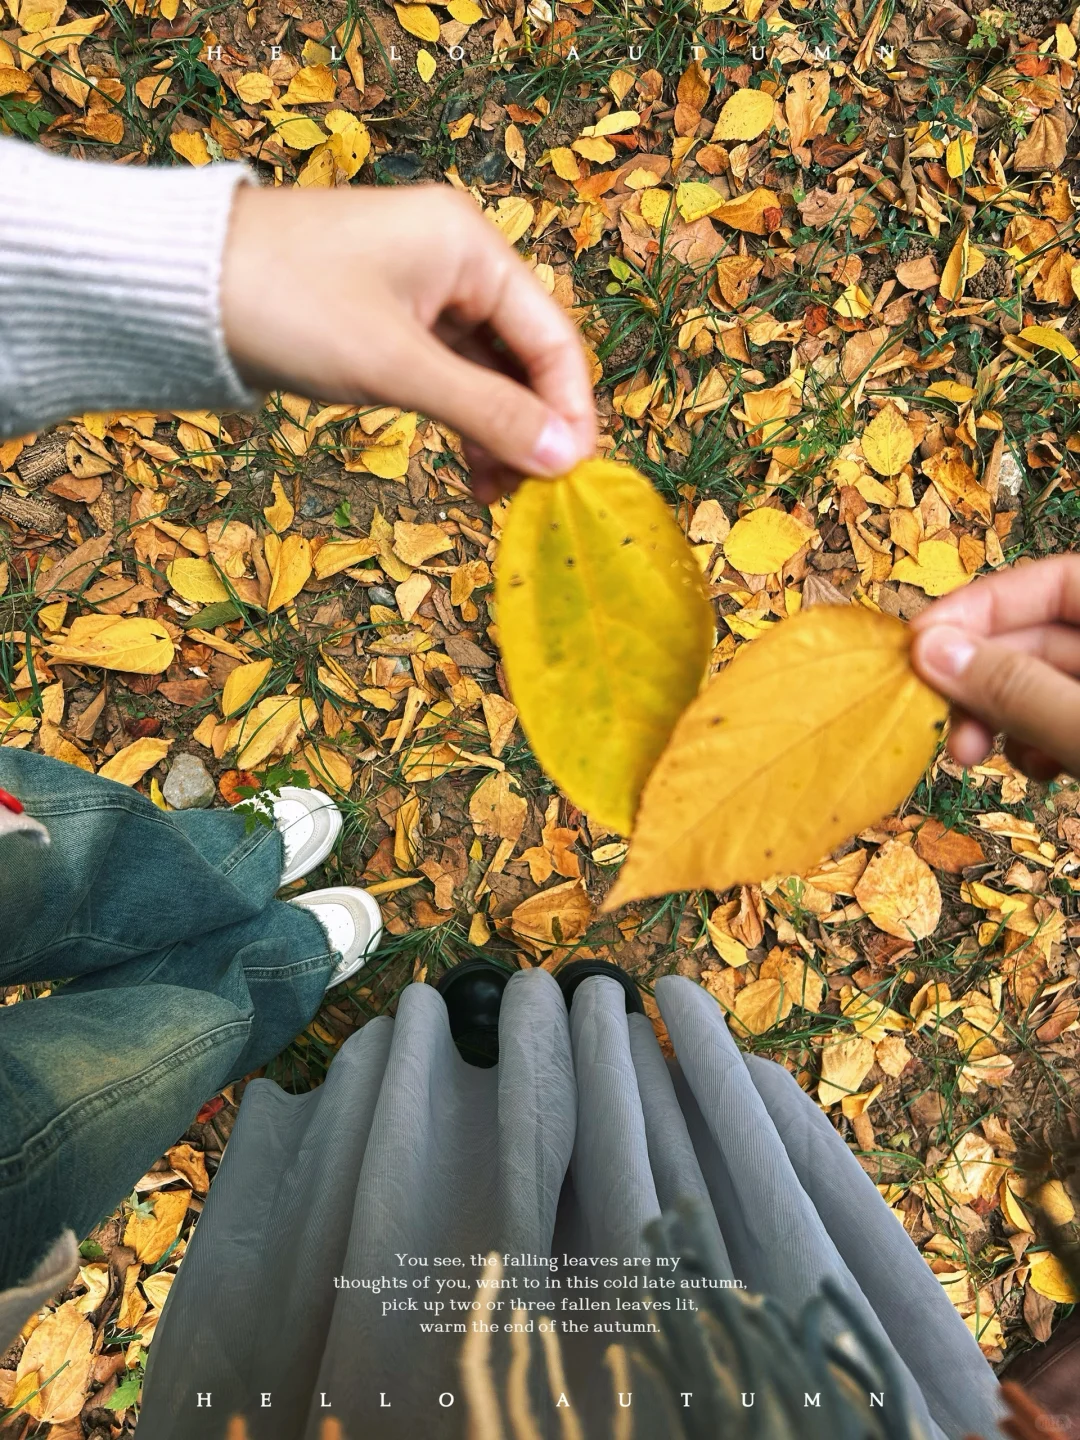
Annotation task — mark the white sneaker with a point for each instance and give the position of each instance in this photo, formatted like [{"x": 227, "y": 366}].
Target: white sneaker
[
  {"x": 309, "y": 822},
  {"x": 353, "y": 924}
]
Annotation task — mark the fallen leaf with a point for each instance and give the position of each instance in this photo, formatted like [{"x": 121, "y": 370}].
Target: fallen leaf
[
  {"x": 762, "y": 542},
  {"x": 887, "y": 442},
  {"x": 554, "y": 917},
  {"x": 196, "y": 580},
  {"x": 900, "y": 893},
  {"x": 947, "y": 850},
  {"x": 62, "y": 1342},
  {"x": 497, "y": 808},
  {"x": 129, "y": 765},
  {"x": 151, "y": 1235},
  {"x": 583, "y": 559},
  {"x": 289, "y": 571},
  {"x": 937, "y": 569},
  {"x": 242, "y": 684},
  {"x": 755, "y": 782},
  {"x": 279, "y": 513},
  {"x": 417, "y": 544},
  {"x": 115, "y": 642},
  {"x": 844, "y": 1067},
  {"x": 1050, "y": 1278},
  {"x": 745, "y": 116},
  {"x": 419, "y": 20}
]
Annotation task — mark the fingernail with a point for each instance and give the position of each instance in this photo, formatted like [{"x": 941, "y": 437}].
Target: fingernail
[
  {"x": 945, "y": 650},
  {"x": 555, "y": 449}
]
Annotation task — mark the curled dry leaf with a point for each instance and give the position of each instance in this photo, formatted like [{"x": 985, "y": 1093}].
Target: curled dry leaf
[
  {"x": 605, "y": 630},
  {"x": 816, "y": 730}
]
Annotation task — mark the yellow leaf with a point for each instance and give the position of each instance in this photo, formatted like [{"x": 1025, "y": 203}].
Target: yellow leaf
[
  {"x": 553, "y": 917},
  {"x": 750, "y": 212},
  {"x": 564, "y": 163},
  {"x": 312, "y": 85},
  {"x": 752, "y": 784},
  {"x": 937, "y": 570},
  {"x": 900, "y": 893},
  {"x": 695, "y": 199},
  {"x": 465, "y": 12},
  {"x": 584, "y": 559},
  {"x": 129, "y": 765},
  {"x": 242, "y": 684},
  {"x": 617, "y": 123},
  {"x": 290, "y": 571},
  {"x": 514, "y": 145},
  {"x": 844, "y": 1066},
  {"x": 512, "y": 216},
  {"x": 279, "y": 513},
  {"x": 190, "y": 145},
  {"x": 416, "y": 544},
  {"x": 1049, "y": 340},
  {"x": 959, "y": 154},
  {"x": 349, "y": 141},
  {"x": 748, "y": 114},
  {"x": 274, "y": 725},
  {"x": 425, "y": 65},
  {"x": 761, "y": 1005},
  {"x": 63, "y": 1343},
  {"x": 115, "y": 643},
  {"x": 950, "y": 390},
  {"x": 151, "y": 1235},
  {"x": 656, "y": 206},
  {"x": 854, "y": 303},
  {"x": 296, "y": 131},
  {"x": 887, "y": 442},
  {"x": 1050, "y": 1278},
  {"x": 762, "y": 542},
  {"x": 388, "y": 462},
  {"x": 419, "y": 20},
  {"x": 338, "y": 555},
  {"x": 1064, "y": 42},
  {"x": 196, "y": 580},
  {"x": 596, "y": 149},
  {"x": 254, "y": 88}
]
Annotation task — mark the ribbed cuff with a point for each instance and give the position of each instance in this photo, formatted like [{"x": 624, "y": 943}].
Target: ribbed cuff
[{"x": 110, "y": 288}]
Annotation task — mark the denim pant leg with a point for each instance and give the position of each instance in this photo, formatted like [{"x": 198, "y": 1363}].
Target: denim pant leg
[{"x": 182, "y": 973}]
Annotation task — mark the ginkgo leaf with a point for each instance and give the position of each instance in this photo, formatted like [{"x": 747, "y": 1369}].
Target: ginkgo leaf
[
  {"x": 242, "y": 684},
  {"x": 748, "y": 114},
  {"x": 129, "y": 765},
  {"x": 814, "y": 731},
  {"x": 289, "y": 571},
  {"x": 887, "y": 442},
  {"x": 115, "y": 643},
  {"x": 762, "y": 542},
  {"x": 584, "y": 559},
  {"x": 196, "y": 580},
  {"x": 418, "y": 20}
]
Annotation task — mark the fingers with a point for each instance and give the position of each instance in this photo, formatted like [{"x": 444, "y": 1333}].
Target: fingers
[
  {"x": 970, "y": 741},
  {"x": 499, "y": 290},
  {"x": 509, "y": 421},
  {"x": 1008, "y": 690},
  {"x": 1025, "y": 595}
]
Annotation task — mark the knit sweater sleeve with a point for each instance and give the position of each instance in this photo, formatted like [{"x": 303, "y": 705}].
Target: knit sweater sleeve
[{"x": 109, "y": 288}]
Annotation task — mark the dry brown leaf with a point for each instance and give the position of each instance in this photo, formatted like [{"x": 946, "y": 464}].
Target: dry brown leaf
[{"x": 900, "y": 893}]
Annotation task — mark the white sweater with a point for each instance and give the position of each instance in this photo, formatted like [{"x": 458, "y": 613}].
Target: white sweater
[{"x": 109, "y": 288}]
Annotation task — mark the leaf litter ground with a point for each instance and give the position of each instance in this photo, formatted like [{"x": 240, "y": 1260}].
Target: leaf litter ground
[{"x": 830, "y": 303}]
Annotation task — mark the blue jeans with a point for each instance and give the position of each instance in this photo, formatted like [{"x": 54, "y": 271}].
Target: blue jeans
[{"x": 180, "y": 972}]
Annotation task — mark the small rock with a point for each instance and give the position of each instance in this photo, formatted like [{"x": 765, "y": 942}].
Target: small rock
[
  {"x": 312, "y": 506},
  {"x": 189, "y": 785},
  {"x": 490, "y": 169},
  {"x": 404, "y": 165},
  {"x": 379, "y": 595}
]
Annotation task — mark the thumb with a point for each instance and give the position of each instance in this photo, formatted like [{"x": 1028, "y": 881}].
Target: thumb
[
  {"x": 505, "y": 418},
  {"x": 1010, "y": 690}
]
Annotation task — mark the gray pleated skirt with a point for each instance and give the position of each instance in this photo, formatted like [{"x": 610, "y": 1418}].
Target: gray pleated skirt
[{"x": 579, "y": 1137}]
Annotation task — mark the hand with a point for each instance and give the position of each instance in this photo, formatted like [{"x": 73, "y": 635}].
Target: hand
[
  {"x": 1006, "y": 651},
  {"x": 408, "y": 297}
]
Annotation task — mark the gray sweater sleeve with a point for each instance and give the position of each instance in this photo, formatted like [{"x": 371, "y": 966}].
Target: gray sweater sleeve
[{"x": 109, "y": 288}]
